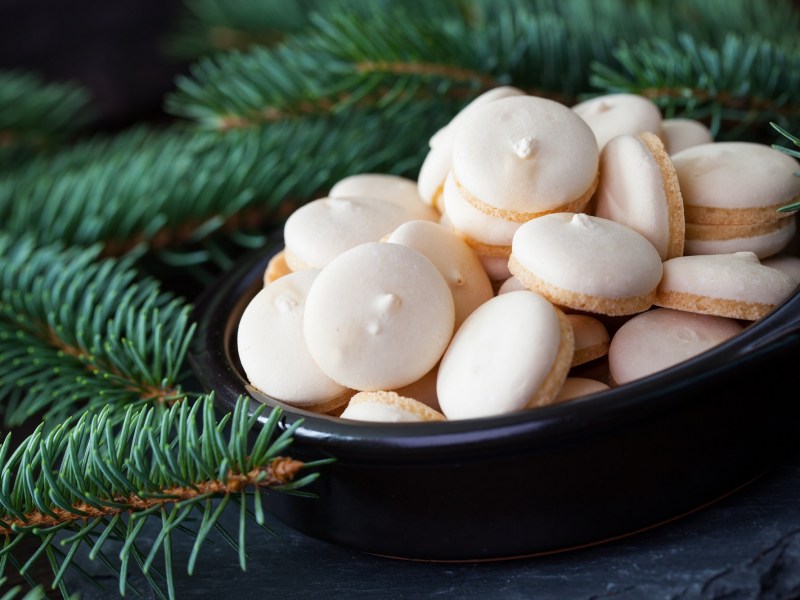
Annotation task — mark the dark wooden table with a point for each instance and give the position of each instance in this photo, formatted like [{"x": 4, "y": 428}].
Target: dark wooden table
[{"x": 744, "y": 546}]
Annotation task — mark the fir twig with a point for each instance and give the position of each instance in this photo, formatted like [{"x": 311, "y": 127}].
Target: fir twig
[
  {"x": 793, "y": 206},
  {"x": 90, "y": 481},
  {"x": 77, "y": 333}
]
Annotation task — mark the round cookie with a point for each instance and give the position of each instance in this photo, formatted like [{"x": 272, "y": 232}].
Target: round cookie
[
  {"x": 378, "y": 317},
  {"x": 486, "y": 234},
  {"x": 512, "y": 284},
  {"x": 661, "y": 338},
  {"x": 276, "y": 268},
  {"x": 591, "y": 338},
  {"x": 454, "y": 259},
  {"x": 639, "y": 188},
  {"x": 496, "y": 268},
  {"x": 764, "y": 239},
  {"x": 438, "y": 160},
  {"x": 680, "y": 134},
  {"x": 727, "y": 285},
  {"x": 512, "y": 353},
  {"x": 522, "y": 157},
  {"x": 735, "y": 183},
  {"x": 321, "y": 230},
  {"x": 586, "y": 263},
  {"x": 388, "y": 407},
  {"x": 619, "y": 114},
  {"x": 389, "y": 188},
  {"x": 423, "y": 390},
  {"x": 273, "y": 351},
  {"x": 575, "y": 387}
]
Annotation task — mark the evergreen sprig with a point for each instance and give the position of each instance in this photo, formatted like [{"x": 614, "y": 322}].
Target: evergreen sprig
[
  {"x": 34, "y": 112},
  {"x": 90, "y": 481},
  {"x": 740, "y": 83},
  {"x": 78, "y": 333},
  {"x": 795, "y": 152}
]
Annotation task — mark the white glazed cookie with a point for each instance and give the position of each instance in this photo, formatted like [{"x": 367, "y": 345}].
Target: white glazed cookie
[
  {"x": 512, "y": 353},
  {"x": 388, "y": 188},
  {"x": 618, "y": 114},
  {"x": 764, "y": 239},
  {"x": 728, "y": 285},
  {"x": 586, "y": 263},
  {"x": 378, "y": 317},
  {"x": 276, "y": 268},
  {"x": 272, "y": 347},
  {"x": 661, "y": 338},
  {"x": 785, "y": 263},
  {"x": 591, "y": 338},
  {"x": 321, "y": 230},
  {"x": 439, "y": 159},
  {"x": 575, "y": 387},
  {"x": 454, "y": 259},
  {"x": 522, "y": 157},
  {"x": 735, "y": 183},
  {"x": 680, "y": 134},
  {"x": 388, "y": 407},
  {"x": 639, "y": 188}
]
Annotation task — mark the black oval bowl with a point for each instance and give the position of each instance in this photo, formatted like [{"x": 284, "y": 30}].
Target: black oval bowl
[{"x": 537, "y": 481}]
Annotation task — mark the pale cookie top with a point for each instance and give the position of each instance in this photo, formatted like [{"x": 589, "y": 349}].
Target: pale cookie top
[
  {"x": 588, "y": 331},
  {"x": 631, "y": 190},
  {"x": 474, "y": 224},
  {"x": 456, "y": 262},
  {"x": 679, "y": 134},
  {"x": 588, "y": 255},
  {"x": 388, "y": 407},
  {"x": 575, "y": 387},
  {"x": 438, "y": 160},
  {"x": 499, "y": 357},
  {"x": 390, "y": 188},
  {"x": 764, "y": 239},
  {"x": 321, "y": 230},
  {"x": 525, "y": 155},
  {"x": 736, "y": 175},
  {"x": 272, "y": 347},
  {"x": 661, "y": 338},
  {"x": 618, "y": 114},
  {"x": 512, "y": 284},
  {"x": 739, "y": 276},
  {"x": 378, "y": 317}
]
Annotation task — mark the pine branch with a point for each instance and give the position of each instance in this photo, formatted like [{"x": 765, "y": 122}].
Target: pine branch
[
  {"x": 744, "y": 82},
  {"x": 172, "y": 191},
  {"x": 90, "y": 481},
  {"x": 77, "y": 333},
  {"x": 793, "y": 206},
  {"x": 33, "y": 113}
]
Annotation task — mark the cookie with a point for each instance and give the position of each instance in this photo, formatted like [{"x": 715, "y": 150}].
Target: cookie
[
  {"x": 735, "y": 285},
  {"x": 523, "y": 157},
  {"x": 388, "y": 407},
  {"x": 576, "y": 387},
  {"x": 619, "y": 114},
  {"x": 680, "y": 134},
  {"x": 512, "y": 353},
  {"x": 785, "y": 263},
  {"x": 764, "y": 239},
  {"x": 662, "y": 338},
  {"x": 273, "y": 350},
  {"x": 735, "y": 183},
  {"x": 454, "y": 259},
  {"x": 276, "y": 268},
  {"x": 388, "y": 188},
  {"x": 378, "y": 317},
  {"x": 639, "y": 188},
  {"x": 586, "y": 263},
  {"x": 591, "y": 339}
]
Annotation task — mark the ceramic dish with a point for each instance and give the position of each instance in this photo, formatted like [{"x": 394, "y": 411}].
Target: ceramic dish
[{"x": 537, "y": 481}]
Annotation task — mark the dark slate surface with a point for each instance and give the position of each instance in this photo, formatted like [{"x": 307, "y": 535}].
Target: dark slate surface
[{"x": 744, "y": 546}]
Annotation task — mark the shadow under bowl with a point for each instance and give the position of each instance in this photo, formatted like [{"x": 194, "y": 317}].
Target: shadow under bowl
[{"x": 537, "y": 481}]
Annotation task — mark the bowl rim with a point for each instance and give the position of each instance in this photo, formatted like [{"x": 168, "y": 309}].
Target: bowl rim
[{"x": 214, "y": 362}]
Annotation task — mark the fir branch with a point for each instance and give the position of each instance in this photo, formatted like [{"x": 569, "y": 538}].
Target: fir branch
[
  {"x": 77, "y": 333},
  {"x": 33, "y": 112},
  {"x": 744, "y": 82},
  {"x": 793, "y": 206},
  {"x": 177, "y": 193},
  {"x": 90, "y": 481}
]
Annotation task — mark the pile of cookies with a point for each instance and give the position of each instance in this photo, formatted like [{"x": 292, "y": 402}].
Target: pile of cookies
[{"x": 541, "y": 243}]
